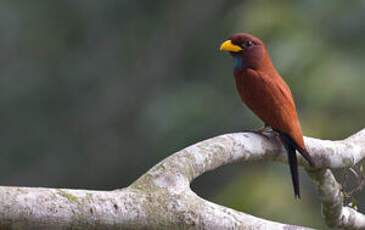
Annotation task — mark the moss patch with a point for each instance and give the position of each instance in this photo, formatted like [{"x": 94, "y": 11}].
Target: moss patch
[{"x": 68, "y": 196}]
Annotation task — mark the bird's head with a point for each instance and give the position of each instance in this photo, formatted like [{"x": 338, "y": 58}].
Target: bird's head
[{"x": 247, "y": 51}]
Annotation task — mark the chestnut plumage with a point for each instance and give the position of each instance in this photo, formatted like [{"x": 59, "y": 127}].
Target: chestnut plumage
[{"x": 263, "y": 90}]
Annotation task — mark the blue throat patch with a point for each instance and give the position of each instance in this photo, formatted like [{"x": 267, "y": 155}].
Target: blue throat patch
[{"x": 238, "y": 64}]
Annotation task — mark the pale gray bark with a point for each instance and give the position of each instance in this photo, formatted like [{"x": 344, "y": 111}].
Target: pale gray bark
[{"x": 162, "y": 198}]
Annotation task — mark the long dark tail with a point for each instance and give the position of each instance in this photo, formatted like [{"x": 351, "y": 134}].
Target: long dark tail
[
  {"x": 291, "y": 146},
  {"x": 293, "y": 164}
]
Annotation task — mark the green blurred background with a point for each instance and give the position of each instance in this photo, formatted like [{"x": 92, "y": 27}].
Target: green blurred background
[{"x": 94, "y": 93}]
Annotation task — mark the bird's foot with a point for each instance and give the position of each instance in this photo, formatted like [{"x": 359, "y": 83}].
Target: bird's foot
[{"x": 261, "y": 131}]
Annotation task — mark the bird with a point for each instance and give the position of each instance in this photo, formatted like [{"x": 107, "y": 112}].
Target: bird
[{"x": 264, "y": 92}]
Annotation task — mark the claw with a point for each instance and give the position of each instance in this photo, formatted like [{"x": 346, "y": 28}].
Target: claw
[{"x": 260, "y": 131}]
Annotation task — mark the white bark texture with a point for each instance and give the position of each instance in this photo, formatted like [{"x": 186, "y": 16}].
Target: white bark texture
[{"x": 162, "y": 198}]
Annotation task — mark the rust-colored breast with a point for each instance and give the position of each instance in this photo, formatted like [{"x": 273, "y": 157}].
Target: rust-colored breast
[{"x": 269, "y": 97}]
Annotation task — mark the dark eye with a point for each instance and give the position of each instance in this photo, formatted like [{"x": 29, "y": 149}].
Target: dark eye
[{"x": 249, "y": 43}]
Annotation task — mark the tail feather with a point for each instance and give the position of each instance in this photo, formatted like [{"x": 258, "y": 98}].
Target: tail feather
[
  {"x": 293, "y": 164},
  {"x": 291, "y": 147},
  {"x": 305, "y": 154},
  {"x": 288, "y": 139}
]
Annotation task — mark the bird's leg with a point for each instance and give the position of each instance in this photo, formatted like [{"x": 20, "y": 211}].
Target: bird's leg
[
  {"x": 263, "y": 129},
  {"x": 260, "y": 131}
]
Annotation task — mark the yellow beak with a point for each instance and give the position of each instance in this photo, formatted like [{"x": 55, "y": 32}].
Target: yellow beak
[{"x": 229, "y": 46}]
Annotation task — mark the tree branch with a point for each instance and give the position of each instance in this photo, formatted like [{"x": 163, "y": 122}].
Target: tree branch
[{"x": 162, "y": 198}]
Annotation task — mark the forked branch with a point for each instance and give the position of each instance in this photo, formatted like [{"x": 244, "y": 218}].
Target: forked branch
[{"x": 162, "y": 198}]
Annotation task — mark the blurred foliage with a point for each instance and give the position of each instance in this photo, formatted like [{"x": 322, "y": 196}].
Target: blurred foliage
[{"x": 94, "y": 93}]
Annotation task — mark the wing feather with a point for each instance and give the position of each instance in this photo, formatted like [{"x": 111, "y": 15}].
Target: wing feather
[{"x": 270, "y": 98}]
